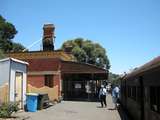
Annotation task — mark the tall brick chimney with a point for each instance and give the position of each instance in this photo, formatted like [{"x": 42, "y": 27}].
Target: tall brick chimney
[{"x": 48, "y": 37}]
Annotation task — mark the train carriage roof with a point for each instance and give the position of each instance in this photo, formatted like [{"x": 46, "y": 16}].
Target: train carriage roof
[{"x": 148, "y": 66}]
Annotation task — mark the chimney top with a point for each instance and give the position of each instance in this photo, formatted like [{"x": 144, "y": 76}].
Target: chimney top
[
  {"x": 48, "y": 25},
  {"x": 48, "y": 37}
]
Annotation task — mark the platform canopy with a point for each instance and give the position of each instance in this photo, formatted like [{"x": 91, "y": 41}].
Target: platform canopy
[
  {"x": 66, "y": 68},
  {"x": 84, "y": 70}
]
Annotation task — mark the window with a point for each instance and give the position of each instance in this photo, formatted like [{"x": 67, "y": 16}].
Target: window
[
  {"x": 48, "y": 80},
  {"x": 155, "y": 99},
  {"x": 134, "y": 92},
  {"x": 139, "y": 97},
  {"x": 129, "y": 91}
]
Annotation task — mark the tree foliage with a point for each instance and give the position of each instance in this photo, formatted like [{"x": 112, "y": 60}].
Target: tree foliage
[
  {"x": 17, "y": 47},
  {"x": 114, "y": 78},
  {"x": 88, "y": 52},
  {"x": 1, "y": 54},
  {"x": 7, "y": 33}
]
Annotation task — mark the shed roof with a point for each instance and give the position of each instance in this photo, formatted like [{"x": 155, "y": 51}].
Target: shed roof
[
  {"x": 55, "y": 64},
  {"x": 13, "y": 59},
  {"x": 76, "y": 67}
]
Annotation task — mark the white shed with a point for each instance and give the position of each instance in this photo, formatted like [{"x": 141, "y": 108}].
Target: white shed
[{"x": 13, "y": 81}]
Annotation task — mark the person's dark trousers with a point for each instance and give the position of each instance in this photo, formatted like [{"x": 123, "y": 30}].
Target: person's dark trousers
[{"x": 103, "y": 100}]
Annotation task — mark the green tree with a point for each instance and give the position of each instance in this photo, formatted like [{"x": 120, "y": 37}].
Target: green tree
[
  {"x": 88, "y": 52},
  {"x": 79, "y": 53},
  {"x": 114, "y": 78},
  {"x": 17, "y": 47},
  {"x": 7, "y": 33},
  {"x": 1, "y": 54}
]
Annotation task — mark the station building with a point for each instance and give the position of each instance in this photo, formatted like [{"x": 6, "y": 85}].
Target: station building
[{"x": 58, "y": 73}]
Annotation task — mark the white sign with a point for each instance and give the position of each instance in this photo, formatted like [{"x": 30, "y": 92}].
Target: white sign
[
  {"x": 88, "y": 89},
  {"x": 77, "y": 85}
]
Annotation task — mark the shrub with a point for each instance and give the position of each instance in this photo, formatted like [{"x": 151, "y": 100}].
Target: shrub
[{"x": 6, "y": 109}]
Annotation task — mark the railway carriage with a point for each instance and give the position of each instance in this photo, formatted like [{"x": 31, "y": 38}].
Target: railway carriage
[{"x": 140, "y": 91}]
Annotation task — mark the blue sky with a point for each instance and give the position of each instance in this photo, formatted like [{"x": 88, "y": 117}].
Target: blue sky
[{"x": 129, "y": 30}]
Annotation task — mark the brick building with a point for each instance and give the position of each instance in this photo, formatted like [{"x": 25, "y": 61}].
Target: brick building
[{"x": 56, "y": 72}]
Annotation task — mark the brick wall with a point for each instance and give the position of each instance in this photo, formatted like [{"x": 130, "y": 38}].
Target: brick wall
[
  {"x": 49, "y": 64},
  {"x": 36, "y": 81},
  {"x": 57, "y": 82}
]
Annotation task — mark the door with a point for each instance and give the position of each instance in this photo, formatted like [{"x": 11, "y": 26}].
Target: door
[
  {"x": 142, "y": 97},
  {"x": 19, "y": 88},
  {"x": 78, "y": 89}
]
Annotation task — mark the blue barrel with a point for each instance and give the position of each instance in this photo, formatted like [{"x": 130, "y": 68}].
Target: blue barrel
[{"x": 32, "y": 99}]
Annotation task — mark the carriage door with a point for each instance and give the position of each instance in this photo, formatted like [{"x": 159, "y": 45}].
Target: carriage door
[
  {"x": 142, "y": 97},
  {"x": 19, "y": 88}
]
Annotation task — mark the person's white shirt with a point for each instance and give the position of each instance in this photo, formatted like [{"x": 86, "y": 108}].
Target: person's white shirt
[
  {"x": 116, "y": 89},
  {"x": 103, "y": 91}
]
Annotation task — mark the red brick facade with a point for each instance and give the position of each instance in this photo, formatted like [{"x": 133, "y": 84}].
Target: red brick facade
[
  {"x": 39, "y": 67},
  {"x": 49, "y": 64},
  {"x": 42, "y": 67},
  {"x": 36, "y": 81}
]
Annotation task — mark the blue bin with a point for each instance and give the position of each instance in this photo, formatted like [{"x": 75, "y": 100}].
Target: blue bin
[{"x": 32, "y": 99}]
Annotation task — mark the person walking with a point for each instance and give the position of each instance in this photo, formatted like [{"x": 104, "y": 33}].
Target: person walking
[
  {"x": 115, "y": 96},
  {"x": 102, "y": 96}
]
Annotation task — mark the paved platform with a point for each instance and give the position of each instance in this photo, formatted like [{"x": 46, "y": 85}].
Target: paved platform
[{"x": 71, "y": 110}]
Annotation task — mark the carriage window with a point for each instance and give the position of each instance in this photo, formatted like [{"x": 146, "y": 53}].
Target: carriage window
[
  {"x": 134, "y": 92},
  {"x": 48, "y": 80},
  {"x": 155, "y": 99},
  {"x": 129, "y": 91},
  {"x": 138, "y": 94},
  {"x": 123, "y": 90}
]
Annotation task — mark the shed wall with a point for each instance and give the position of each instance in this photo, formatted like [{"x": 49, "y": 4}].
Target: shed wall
[
  {"x": 17, "y": 67},
  {"x": 4, "y": 72}
]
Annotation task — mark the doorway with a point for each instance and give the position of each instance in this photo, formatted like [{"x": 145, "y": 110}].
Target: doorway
[
  {"x": 85, "y": 90},
  {"x": 19, "y": 88}
]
